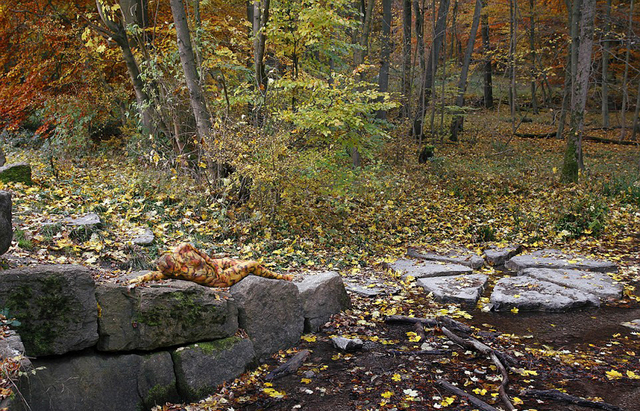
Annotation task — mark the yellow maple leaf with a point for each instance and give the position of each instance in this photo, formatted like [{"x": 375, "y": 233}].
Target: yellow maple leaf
[
  {"x": 396, "y": 377},
  {"x": 517, "y": 401},
  {"x": 613, "y": 375},
  {"x": 515, "y": 310},
  {"x": 386, "y": 394},
  {"x": 274, "y": 393},
  {"x": 309, "y": 338},
  {"x": 633, "y": 375},
  {"x": 305, "y": 380}
]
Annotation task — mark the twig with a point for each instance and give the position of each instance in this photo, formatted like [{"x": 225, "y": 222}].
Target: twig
[
  {"x": 420, "y": 352},
  {"x": 289, "y": 367},
  {"x": 460, "y": 393},
  {"x": 572, "y": 399},
  {"x": 430, "y": 322}
]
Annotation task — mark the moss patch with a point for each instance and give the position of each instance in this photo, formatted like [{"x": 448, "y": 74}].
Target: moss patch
[{"x": 214, "y": 347}]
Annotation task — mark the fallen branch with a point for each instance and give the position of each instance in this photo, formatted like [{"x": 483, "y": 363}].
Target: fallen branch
[
  {"x": 420, "y": 352},
  {"x": 536, "y": 135},
  {"x": 429, "y": 322},
  {"x": 590, "y": 138},
  {"x": 571, "y": 399},
  {"x": 289, "y": 367},
  {"x": 474, "y": 344},
  {"x": 470, "y": 398}
]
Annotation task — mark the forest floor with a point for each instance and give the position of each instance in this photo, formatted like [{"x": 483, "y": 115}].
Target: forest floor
[{"x": 488, "y": 189}]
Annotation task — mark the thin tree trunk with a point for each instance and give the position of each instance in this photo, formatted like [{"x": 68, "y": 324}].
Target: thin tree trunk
[
  {"x": 636, "y": 114},
  {"x": 457, "y": 121},
  {"x": 187, "y": 59},
  {"x": 488, "y": 69},
  {"x": 625, "y": 86},
  {"x": 571, "y": 64},
  {"x": 513, "y": 31},
  {"x": 363, "y": 40},
  {"x": 383, "y": 79},
  {"x": 605, "y": 66},
  {"x": 260, "y": 19},
  {"x": 532, "y": 40},
  {"x": 406, "y": 58},
  {"x": 573, "y": 161},
  {"x": 419, "y": 28}
]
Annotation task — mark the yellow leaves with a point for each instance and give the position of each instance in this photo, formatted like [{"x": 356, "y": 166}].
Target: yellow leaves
[
  {"x": 613, "y": 375},
  {"x": 387, "y": 394},
  {"x": 396, "y": 377},
  {"x": 517, "y": 401},
  {"x": 274, "y": 393},
  {"x": 309, "y": 338},
  {"x": 632, "y": 375},
  {"x": 305, "y": 381},
  {"x": 447, "y": 401},
  {"x": 413, "y": 337},
  {"x": 515, "y": 310},
  {"x": 480, "y": 391}
]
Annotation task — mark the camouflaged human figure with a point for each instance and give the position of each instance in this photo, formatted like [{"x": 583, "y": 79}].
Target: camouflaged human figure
[{"x": 185, "y": 262}]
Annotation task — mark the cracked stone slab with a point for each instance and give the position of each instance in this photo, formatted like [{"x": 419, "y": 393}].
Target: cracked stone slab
[
  {"x": 498, "y": 256},
  {"x": 596, "y": 283},
  {"x": 460, "y": 256},
  {"x": 634, "y": 324},
  {"x": 557, "y": 259},
  {"x": 530, "y": 294},
  {"x": 425, "y": 269},
  {"x": 464, "y": 289}
]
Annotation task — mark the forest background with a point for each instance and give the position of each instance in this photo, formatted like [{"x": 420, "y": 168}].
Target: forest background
[{"x": 323, "y": 134}]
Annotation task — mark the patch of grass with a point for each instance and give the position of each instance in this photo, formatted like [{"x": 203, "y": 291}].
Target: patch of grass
[
  {"x": 23, "y": 240},
  {"x": 586, "y": 216}
]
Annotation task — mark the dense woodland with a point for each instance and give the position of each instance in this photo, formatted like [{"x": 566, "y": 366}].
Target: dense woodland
[{"x": 316, "y": 134}]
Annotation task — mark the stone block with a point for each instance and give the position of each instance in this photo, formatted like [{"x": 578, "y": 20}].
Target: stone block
[
  {"x": 464, "y": 289},
  {"x": 6, "y": 228},
  {"x": 596, "y": 283},
  {"x": 424, "y": 269},
  {"x": 557, "y": 259},
  {"x": 322, "y": 295},
  {"x": 16, "y": 173}
]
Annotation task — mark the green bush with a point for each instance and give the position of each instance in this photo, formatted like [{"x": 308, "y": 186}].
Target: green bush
[{"x": 586, "y": 216}]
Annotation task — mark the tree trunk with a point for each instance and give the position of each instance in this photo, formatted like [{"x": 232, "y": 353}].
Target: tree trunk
[
  {"x": 605, "y": 66},
  {"x": 513, "y": 31},
  {"x": 569, "y": 75},
  {"x": 363, "y": 40},
  {"x": 187, "y": 59},
  {"x": 419, "y": 28},
  {"x": 573, "y": 161},
  {"x": 406, "y": 58},
  {"x": 625, "y": 85},
  {"x": 458, "y": 119},
  {"x": 488, "y": 69},
  {"x": 532, "y": 43},
  {"x": 383, "y": 79},
  {"x": 260, "y": 19},
  {"x": 636, "y": 114},
  {"x": 417, "y": 129}
]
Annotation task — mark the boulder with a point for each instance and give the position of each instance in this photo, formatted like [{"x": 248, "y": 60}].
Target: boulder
[
  {"x": 150, "y": 317},
  {"x": 11, "y": 347},
  {"x": 424, "y": 269},
  {"x": 270, "y": 312},
  {"x": 464, "y": 289},
  {"x": 633, "y": 324},
  {"x": 89, "y": 220},
  {"x": 460, "y": 256},
  {"x": 596, "y": 283},
  {"x": 347, "y": 344},
  {"x": 557, "y": 259},
  {"x": 322, "y": 295},
  {"x": 16, "y": 173},
  {"x": 56, "y": 306},
  {"x": 499, "y": 255},
  {"x": 3, "y": 158},
  {"x": 6, "y": 229},
  {"x": 201, "y": 367},
  {"x": 145, "y": 237},
  {"x": 93, "y": 381},
  {"x": 530, "y": 294}
]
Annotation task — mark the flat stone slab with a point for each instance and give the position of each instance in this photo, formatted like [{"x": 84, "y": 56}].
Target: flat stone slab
[
  {"x": 425, "y": 269},
  {"x": 145, "y": 237},
  {"x": 499, "y": 256},
  {"x": 87, "y": 220},
  {"x": 460, "y": 256},
  {"x": 633, "y": 324},
  {"x": 464, "y": 289},
  {"x": 557, "y": 259},
  {"x": 530, "y": 294},
  {"x": 596, "y": 283}
]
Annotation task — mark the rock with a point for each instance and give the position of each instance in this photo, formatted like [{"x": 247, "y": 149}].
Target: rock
[
  {"x": 146, "y": 318},
  {"x": 16, "y": 173},
  {"x": 371, "y": 290},
  {"x": 270, "y": 312},
  {"x": 11, "y": 347},
  {"x": 556, "y": 259},
  {"x": 633, "y": 324},
  {"x": 100, "y": 382},
  {"x": 322, "y": 295},
  {"x": 91, "y": 219},
  {"x": 3, "y": 159},
  {"x": 146, "y": 238},
  {"x": 464, "y": 289},
  {"x": 424, "y": 269},
  {"x": 499, "y": 256},
  {"x": 460, "y": 256},
  {"x": 6, "y": 229},
  {"x": 56, "y": 306},
  {"x": 599, "y": 284},
  {"x": 201, "y": 367},
  {"x": 530, "y": 294},
  {"x": 347, "y": 344}
]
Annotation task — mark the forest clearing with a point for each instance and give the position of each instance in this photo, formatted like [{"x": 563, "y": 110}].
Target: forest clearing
[{"x": 373, "y": 143}]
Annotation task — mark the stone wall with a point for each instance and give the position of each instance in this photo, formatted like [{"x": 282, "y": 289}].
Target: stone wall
[{"x": 114, "y": 347}]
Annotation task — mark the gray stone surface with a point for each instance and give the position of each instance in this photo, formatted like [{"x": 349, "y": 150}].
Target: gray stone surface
[
  {"x": 90, "y": 219},
  {"x": 370, "y": 290},
  {"x": 150, "y": 317},
  {"x": 498, "y": 256},
  {"x": 201, "y": 367},
  {"x": 596, "y": 283},
  {"x": 100, "y": 382},
  {"x": 633, "y": 324},
  {"x": 322, "y": 295},
  {"x": 530, "y": 294},
  {"x": 146, "y": 237},
  {"x": 424, "y": 269},
  {"x": 556, "y": 259},
  {"x": 16, "y": 173},
  {"x": 11, "y": 347},
  {"x": 460, "y": 256},
  {"x": 6, "y": 228},
  {"x": 464, "y": 289},
  {"x": 3, "y": 158},
  {"x": 271, "y": 313},
  {"x": 55, "y": 304},
  {"x": 347, "y": 344}
]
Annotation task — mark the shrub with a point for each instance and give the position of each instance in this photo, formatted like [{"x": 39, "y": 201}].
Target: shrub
[{"x": 586, "y": 216}]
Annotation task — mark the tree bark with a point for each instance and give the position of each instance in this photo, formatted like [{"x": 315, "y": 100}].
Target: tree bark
[
  {"x": 406, "y": 58},
  {"x": 419, "y": 28},
  {"x": 513, "y": 42},
  {"x": 625, "y": 85},
  {"x": 488, "y": 69},
  {"x": 187, "y": 60},
  {"x": 458, "y": 119},
  {"x": 605, "y": 66},
  {"x": 573, "y": 161},
  {"x": 385, "y": 53},
  {"x": 569, "y": 70},
  {"x": 363, "y": 40},
  {"x": 532, "y": 43},
  {"x": 260, "y": 18}
]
